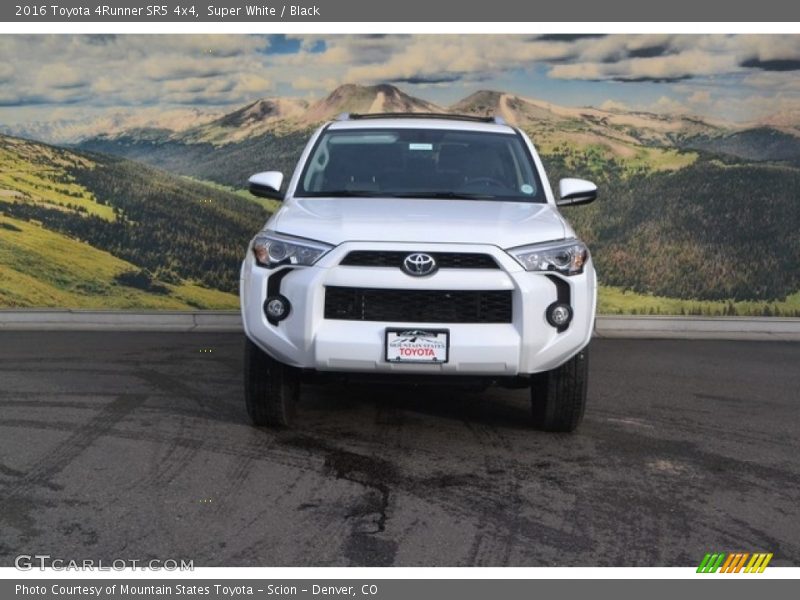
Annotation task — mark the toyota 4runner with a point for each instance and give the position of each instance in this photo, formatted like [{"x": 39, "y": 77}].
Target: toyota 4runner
[{"x": 420, "y": 248}]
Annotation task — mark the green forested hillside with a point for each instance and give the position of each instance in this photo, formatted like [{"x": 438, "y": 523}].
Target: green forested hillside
[
  {"x": 157, "y": 239},
  {"x": 757, "y": 144},
  {"x": 709, "y": 231},
  {"x": 42, "y": 268},
  {"x": 229, "y": 165},
  {"x": 670, "y": 223}
]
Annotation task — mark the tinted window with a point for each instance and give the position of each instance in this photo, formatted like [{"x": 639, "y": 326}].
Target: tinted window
[{"x": 421, "y": 163}]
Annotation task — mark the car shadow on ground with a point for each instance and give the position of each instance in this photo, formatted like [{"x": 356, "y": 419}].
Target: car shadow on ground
[{"x": 495, "y": 406}]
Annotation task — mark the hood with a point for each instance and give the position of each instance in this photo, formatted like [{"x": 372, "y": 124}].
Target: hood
[{"x": 337, "y": 220}]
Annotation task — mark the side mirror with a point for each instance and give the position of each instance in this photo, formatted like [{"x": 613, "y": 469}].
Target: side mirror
[
  {"x": 575, "y": 191},
  {"x": 267, "y": 185}
]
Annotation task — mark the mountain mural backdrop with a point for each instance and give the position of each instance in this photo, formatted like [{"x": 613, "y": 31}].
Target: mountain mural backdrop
[{"x": 695, "y": 216}]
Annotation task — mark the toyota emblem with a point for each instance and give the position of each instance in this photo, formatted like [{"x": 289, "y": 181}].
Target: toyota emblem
[{"x": 419, "y": 264}]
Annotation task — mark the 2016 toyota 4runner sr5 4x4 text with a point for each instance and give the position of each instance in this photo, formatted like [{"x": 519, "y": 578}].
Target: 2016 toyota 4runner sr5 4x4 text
[{"x": 420, "y": 248}]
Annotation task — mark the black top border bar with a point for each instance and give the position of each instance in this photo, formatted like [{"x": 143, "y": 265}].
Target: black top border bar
[{"x": 409, "y": 11}]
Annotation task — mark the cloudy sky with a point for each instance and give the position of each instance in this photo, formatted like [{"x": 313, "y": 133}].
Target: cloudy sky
[{"x": 733, "y": 77}]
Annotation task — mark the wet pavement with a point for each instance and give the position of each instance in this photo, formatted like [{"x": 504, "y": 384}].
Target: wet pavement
[{"x": 137, "y": 446}]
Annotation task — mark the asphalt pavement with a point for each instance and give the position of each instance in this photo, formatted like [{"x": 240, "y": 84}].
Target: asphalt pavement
[{"x": 137, "y": 446}]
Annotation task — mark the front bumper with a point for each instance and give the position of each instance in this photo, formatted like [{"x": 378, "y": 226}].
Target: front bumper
[{"x": 528, "y": 344}]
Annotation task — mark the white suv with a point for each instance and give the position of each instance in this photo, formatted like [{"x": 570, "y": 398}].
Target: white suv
[{"x": 421, "y": 249}]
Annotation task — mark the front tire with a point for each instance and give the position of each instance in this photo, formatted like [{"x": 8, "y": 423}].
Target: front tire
[
  {"x": 271, "y": 389},
  {"x": 558, "y": 397}
]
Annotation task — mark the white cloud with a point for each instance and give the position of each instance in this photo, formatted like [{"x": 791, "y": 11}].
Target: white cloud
[
  {"x": 690, "y": 63},
  {"x": 305, "y": 83},
  {"x": 132, "y": 70},
  {"x": 6, "y": 72},
  {"x": 614, "y": 105},
  {"x": 777, "y": 109},
  {"x": 699, "y": 97},
  {"x": 772, "y": 81},
  {"x": 669, "y": 105},
  {"x": 113, "y": 71},
  {"x": 61, "y": 76},
  {"x": 442, "y": 57}
]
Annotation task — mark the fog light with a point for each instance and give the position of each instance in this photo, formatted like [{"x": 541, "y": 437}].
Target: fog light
[
  {"x": 276, "y": 308},
  {"x": 559, "y": 315}
]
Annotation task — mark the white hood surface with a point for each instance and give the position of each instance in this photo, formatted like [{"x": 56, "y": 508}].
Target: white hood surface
[{"x": 338, "y": 220}]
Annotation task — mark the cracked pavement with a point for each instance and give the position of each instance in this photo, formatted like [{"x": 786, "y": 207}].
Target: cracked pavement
[{"x": 137, "y": 446}]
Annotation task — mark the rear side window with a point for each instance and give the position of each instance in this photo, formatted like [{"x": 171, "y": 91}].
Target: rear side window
[{"x": 421, "y": 162}]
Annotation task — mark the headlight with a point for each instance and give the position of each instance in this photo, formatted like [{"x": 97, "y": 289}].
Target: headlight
[
  {"x": 273, "y": 249},
  {"x": 566, "y": 257}
]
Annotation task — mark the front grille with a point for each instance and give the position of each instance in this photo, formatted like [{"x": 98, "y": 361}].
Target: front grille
[
  {"x": 419, "y": 306},
  {"x": 444, "y": 260}
]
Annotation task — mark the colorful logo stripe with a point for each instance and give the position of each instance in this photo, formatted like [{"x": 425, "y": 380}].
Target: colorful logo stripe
[{"x": 734, "y": 562}]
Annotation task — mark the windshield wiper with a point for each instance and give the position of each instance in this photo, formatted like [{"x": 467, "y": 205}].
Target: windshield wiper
[
  {"x": 379, "y": 194},
  {"x": 344, "y": 194},
  {"x": 438, "y": 195}
]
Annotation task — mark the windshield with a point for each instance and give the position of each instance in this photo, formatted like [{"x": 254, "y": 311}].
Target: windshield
[{"x": 421, "y": 163}]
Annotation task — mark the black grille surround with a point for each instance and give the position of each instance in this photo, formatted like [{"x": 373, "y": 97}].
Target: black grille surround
[
  {"x": 418, "y": 306},
  {"x": 394, "y": 258}
]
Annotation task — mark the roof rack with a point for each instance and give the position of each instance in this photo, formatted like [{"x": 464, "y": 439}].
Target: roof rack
[{"x": 420, "y": 115}]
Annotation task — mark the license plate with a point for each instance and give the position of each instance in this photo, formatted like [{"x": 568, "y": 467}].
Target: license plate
[{"x": 417, "y": 345}]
